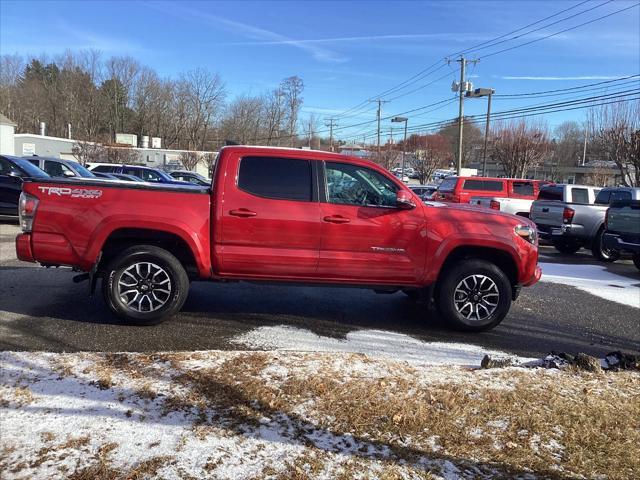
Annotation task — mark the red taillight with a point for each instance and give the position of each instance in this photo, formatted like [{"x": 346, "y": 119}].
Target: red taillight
[
  {"x": 27, "y": 206},
  {"x": 567, "y": 214},
  {"x": 494, "y": 204}
]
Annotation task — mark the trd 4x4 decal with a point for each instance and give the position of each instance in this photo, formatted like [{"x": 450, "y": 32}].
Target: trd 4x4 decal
[{"x": 71, "y": 192}]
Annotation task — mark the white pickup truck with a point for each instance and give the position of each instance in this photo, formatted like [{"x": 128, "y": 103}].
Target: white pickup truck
[{"x": 515, "y": 206}]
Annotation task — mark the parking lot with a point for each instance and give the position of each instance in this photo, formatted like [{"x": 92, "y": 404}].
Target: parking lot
[{"x": 44, "y": 310}]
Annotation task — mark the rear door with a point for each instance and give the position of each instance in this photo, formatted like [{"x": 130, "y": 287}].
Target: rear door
[
  {"x": 270, "y": 222},
  {"x": 365, "y": 237}
]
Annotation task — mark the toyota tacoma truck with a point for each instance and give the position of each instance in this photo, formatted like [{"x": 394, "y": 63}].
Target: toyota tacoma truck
[
  {"x": 283, "y": 215},
  {"x": 572, "y": 216},
  {"x": 622, "y": 228}
]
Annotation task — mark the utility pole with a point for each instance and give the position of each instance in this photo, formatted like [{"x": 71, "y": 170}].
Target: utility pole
[
  {"x": 463, "y": 88},
  {"x": 330, "y": 125},
  {"x": 309, "y": 133},
  {"x": 486, "y": 136},
  {"x": 584, "y": 149},
  {"x": 380, "y": 102}
]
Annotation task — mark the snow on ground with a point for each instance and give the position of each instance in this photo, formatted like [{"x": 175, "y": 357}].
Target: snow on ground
[
  {"x": 374, "y": 343},
  {"x": 595, "y": 280}
]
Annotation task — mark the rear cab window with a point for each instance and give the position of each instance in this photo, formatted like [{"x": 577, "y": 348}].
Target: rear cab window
[
  {"x": 448, "y": 185},
  {"x": 276, "y": 178},
  {"x": 524, "y": 189},
  {"x": 551, "y": 193}
]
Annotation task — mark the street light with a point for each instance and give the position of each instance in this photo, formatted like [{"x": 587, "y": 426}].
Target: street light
[
  {"x": 484, "y": 92},
  {"x": 404, "y": 143}
]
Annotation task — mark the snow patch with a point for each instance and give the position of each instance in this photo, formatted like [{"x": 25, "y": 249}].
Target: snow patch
[
  {"x": 373, "y": 343},
  {"x": 595, "y": 280}
]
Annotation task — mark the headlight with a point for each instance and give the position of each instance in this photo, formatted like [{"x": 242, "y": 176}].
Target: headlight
[{"x": 528, "y": 233}]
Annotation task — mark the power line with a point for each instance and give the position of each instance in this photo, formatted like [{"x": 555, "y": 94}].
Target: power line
[
  {"x": 428, "y": 70},
  {"x": 559, "y": 32},
  {"x": 542, "y": 27},
  {"x": 513, "y": 95}
]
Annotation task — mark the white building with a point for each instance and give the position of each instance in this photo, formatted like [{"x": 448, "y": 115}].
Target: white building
[
  {"x": 7, "y": 130},
  {"x": 27, "y": 144}
]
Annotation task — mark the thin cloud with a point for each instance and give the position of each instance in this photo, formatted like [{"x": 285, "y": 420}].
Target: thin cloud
[
  {"x": 257, "y": 35},
  {"x": 579, "y": 77}
]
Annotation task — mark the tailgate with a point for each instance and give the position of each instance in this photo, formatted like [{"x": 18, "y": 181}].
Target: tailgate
[
  {"x": 547, "y": 212},
  {"x": 624, "y": 219}
]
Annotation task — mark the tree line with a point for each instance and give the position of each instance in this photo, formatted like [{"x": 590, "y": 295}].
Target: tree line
[{"x": 99, "y": 97}]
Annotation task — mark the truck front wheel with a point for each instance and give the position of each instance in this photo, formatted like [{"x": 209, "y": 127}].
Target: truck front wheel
[
  {"x": 144, "y": 284},
  {"x": 473, "y": 295}
]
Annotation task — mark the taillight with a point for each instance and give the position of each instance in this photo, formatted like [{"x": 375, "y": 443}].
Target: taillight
[
  {"x": 567, "y": 214},
  {"x": 27, "y": 207},
  {"x": 494, "y": 204}
]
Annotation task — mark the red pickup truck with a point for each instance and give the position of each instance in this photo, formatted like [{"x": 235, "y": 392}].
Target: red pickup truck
[{"x": 275, "y": 214}]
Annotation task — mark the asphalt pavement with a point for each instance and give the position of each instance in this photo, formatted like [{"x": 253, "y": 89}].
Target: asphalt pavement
[{"x": 42, "y": 309}]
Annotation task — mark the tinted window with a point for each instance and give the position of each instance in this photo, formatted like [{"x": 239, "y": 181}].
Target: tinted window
[
  {"x": 35, "y": 162},
  {"x": 106, "y": 168},
  {"x": 523, "y": 188},
  {"x": 7, "y": 168},
  {"x": 619, "y": 196},
  {"x": 355, "y": 185},
  {"x": 448, "y": 184},
  {"x": 57, "y": 169},
  {"x": 603, "y": 197},
  {"x": 580, "y": 195},
  {"x": 486, "y": 185},
  {"x": 279, "y": 178},
  {"x": 550, "y": 193},
  {"x": 82, "y": 171}
]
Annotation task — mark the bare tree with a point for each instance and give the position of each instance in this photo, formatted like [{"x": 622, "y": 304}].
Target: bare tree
[
  {"x": 123, "y": 155},
  {"x": 190, "y": 159},
  {"x": 273, "y": 105},
  {"x": 616, "y": 133},
  {"x": 210, "y": 161},
  {"x": 431, "y": 152},
  {"x": 518, "y": 146},
  {"x": 86, "y": 152},
  {"x": 204, "y": 94},
  {"x": 292, "y": 89}
]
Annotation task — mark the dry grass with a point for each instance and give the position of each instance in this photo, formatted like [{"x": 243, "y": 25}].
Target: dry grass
[{"x": 552, "y": 423}]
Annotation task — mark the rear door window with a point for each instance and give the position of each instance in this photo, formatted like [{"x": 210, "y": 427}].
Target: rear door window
[
  {"x": 483, "y": 185},
  {"x": 580, "y": 195},
  {"x": 617, "y": 196},
  {"x": 276, "y": 178},
  {"x": 523, "y": 188}
]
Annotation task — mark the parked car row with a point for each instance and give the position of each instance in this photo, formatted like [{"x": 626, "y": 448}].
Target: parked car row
[{"x": 14, "y": 169}]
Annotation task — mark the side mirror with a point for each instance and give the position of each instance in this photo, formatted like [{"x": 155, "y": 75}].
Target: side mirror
[
  {"x": 14, "y": 176},
  {"x": 68, "y": 173},
  {"x": 404, "y": 201}
]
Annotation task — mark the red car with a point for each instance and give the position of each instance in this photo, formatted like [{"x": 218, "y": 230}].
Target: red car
[
  {"x": 274, "y": 214},
  {"x": 463, "y": 189}
]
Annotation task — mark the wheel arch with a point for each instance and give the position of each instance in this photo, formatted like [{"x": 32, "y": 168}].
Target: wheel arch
[
  {"x": 122, "y": 238},
  {"x": 501, "y": 258}
]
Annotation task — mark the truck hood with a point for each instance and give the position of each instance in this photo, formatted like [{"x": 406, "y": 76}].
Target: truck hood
[{"x": 481, "y": 213}]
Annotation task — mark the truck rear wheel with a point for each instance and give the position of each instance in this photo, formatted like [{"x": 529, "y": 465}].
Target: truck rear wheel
[
  {"x": 566, "y": 245},
  {"x": 144, "y": 285},
  {"x": 600, "y": 251},
  {"x": 473, "y": 295}
]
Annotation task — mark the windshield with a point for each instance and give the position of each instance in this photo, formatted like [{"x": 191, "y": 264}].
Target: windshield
[
  {"x": 83, "y": 171},
  {"x": 29, "y": 168}
]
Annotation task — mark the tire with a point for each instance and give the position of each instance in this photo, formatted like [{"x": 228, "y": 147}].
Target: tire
[
  {"x": 567, "y": 246},
  {"x": 600, "y": 252},
  {"x": 157, "y": 279},
  {"x": 451, "y": 304},
  {"x": 636, "y": 260}
]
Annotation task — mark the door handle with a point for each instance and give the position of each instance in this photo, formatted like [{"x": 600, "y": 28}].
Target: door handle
[
  {"x": 336, "y": 219},
  {"x": 545, "y": 210},
  {"x": 242, "y": 212}
]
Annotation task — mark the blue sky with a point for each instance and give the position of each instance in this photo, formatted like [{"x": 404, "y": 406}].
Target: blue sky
[{"x": 345, "y": 52}]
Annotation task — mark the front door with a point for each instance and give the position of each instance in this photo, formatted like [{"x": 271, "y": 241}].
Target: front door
[
  {"x": 270, "y": 224},
  {"x": 366, "y": 238}
]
